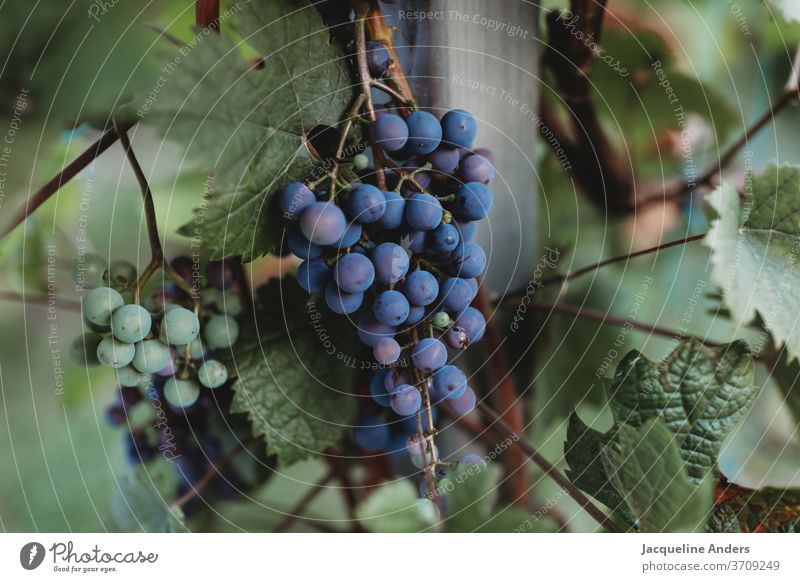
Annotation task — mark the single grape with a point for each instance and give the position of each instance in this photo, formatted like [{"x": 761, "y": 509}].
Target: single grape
[
  {"x": 181, "y": 393},
  {"x": 184, "y": 266},
  {"x": 423, "y": 212},
  {"x": 220, "y": 332},
  {"x": 121, "y": 273},
  {"x": 416, "y": 314},
  {"x": 394, "y": 378},
  {"x": 449, "y": 382},
  {"x": 230, "y": 303},
  {"x": 473, "y": 284},
  {"x": 300, "y": 246},
  {"x": 352, "y": 234},
  {"x": 113, "y": 353},
  {"x": 354, "y": 273},
  {"x": 294, "y": 199},
  {"x": 391, "y": 263},
  {"x": 456, "y": 338},
  {"x": 341, "y": 302},
  {"x": 98, "y": 305},
  {"x": 415, "y": 445},
  {"x": 371, "y": 433},
  {"x": 441, "y": 320},
  {"x": 366, "y": 204},
  {"x": 424, "y": 132},
  {"x": 473, "y": 323},
  {"x": 151, "y": 356},
  {"x": 88, "y": 270},
  {"x": 405, "y": 400},
  {"x": 475, "y": 168},
  {"x": 444, "y": 159},
  {"x": 414, "y": 241},
  {"x": 378, "y": 58},
  {"x": 391, "y": 308},
  {"x": 395, "y": 209},
  {"x": 444, "y": 238},
  {"x": 456, "y": 294},
  {"x": 377, "y": 388},
  {"x": 130, "y": 323},
  {"x": 179, "y": 326},
  {"x": 323, "y": 223},
  {"x": 464, "y": 404},
  {"x": 212, "y": 374},
  {"x": 486, "y": 153},
  {"x": 130, "y": 377},
  {"x": 470, "y": 460},
  {"x": 313, "y": 275},
  {"x": 115, "y": 415},
  {"x": 360, "y": 162},
  {"x": 429, "y": 355},
  {"x": 222, "y": 274},
  {"x": 370, "y": 330},
  {"x": 459, "y": 128},
  {"x": 386, "y": 351},
  {"x": 83, "y": 350},
  {"x": 390, "y": 132},
  {"x": 421, "y": 288},
  {"x": 419, "y": 461},
  {"x": 466, "y": 230},
  {"x": 469, "y": 260},
  {"x": 473, "y": 201}
]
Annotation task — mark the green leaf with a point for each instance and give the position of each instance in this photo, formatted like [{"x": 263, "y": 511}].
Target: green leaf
[
  {"x": 293, "y": 390},
  {"x": 739, "y": 509},
  {"x": 754, "y": 251},
  {"x": 248, "y": 125},
  {"x": 139, "y": 505},
  {"x": 395, "y": 508}
]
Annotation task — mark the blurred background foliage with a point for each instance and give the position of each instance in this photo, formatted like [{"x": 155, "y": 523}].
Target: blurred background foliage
[{"x": 63, "y": 465}]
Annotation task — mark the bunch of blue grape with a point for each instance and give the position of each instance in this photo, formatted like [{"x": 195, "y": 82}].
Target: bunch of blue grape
[{"x": 401, "y": 263}]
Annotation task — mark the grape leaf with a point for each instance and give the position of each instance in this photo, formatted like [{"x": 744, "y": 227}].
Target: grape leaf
[
  {"x": 249, "y": 125},
  {"x": 755, "y": 250},
  {"x": 738, "y": 509},
  {"x": 138, "y": 504},
  {"x": 294, "y": 392}
]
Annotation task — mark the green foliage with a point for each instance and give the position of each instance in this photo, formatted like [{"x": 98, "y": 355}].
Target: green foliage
[
  {"x": 294, "y": 392},
  {"x": 250, "y": 125},
  {"x": 140, "y": 505},
  {"x": 739, "y": 509},
  {"x": 394, "y": 508},
  {"x": 755, "y": 250}
]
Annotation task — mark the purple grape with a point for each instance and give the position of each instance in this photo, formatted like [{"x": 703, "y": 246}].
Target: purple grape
[
  {"x": 405, "y": 400},
  {"x": 473, "y": 323},
  {"x": 444, "y": 159},
  {"x": 429, "y": 355},
  {"x": 486, "y": 153},
  {"x": 414, "y": 241},
  {"x": 295, "y": 198},
  {"x": 470, "y": 460},
  {"x": 449, "y": 382},
  {"x": 421, "y": 288},
  {"x": 391, "y": 263},
  {"x": 475, "y": 168},
  {"x": 184, "y": 266},
  {"x": 415, "y": 315},
  {"x": 370, "y": 330},
  {"x": 323, "y": 223},
  {"x": 378, "y": 59},
  {"x": 371, "y": 434},
  {"x": 423, "y": 212},
  {"x": 469, "y": 260},
  {"x": 341, "y": 302},
  {"x": 473, "y": 201},
  {"x": 444, "y": 238},
  {"x": 313, "y": 275},
  {"x": 386, "y": 351},
  {"x": 391, "y": 308},
  {"x": 424, "y": 132},
  {"x": 459, "y": 128},
  {"x": 394, "y": 378},
  {"x": 456, "y": 294},
  {"x": 456, "y": 338},
  {"x": 221, "y": 275},
  {"x": 466, "y": 230},
  {"x": 395, "y": 209},
  {"x": 366, "y": 204},
  {"x": 351, "y": 236},
  {"x": 354, "y": 273},
  {"x": 115, "y": 415},
  {"x": 300, "y": 246},
  {"x": 390, "y": 132},
  {"x": 377, "y": 388},
  {"x": 464, "y": 404}
]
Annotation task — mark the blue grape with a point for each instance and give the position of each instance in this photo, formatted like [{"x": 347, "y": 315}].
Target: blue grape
[
  {"x": 323, "y": 223},
  {"x": 424, "y": 132},
  {"x": 473, "y": 323},
  {"x": 300, "y": 246},
  {"x": 98, "y": 305},
  {"x": 130, "y": 323},
  {"x": 444, "y": 159},
  {"x": 486, "y": 153},
  {"x": 391, "y": 308},
  {"x": 181, "y": 393},
  {"x": 151, "y": 356},
  {"x": 378, "y": 58},
  {"x": 470, "y": 460},
  {"x": 473, "y": 284},
  {"x": 377, "y": 388},
  {"x": 415, "y": 315},
  {"x": 414, "y": 241},
  {"x": 295, "y": 198},
  {"x": 449, "y": 382},
  {"x": 469, "y": 260},
  {"x": 390, "y": 132},
  {"x": 351, "y": 236},
  {"x": 386, "y": 351},
  {"x": 83, "y": 350},
  {"x": 212, "y": 374},
  {"x": 459, "y": 128},
  {"x": 370, "y": 330},
  {"x": 475, "y": 168},
  {"x": 394, "y": 378},
  {"x": 340, "y": 302},
  {"x": 444, "y": 238},
  {"x": 464, "y": 404},
  {"x": 423, "y": 212},
  {"x": 179, "y": 326},
  {"x": 313, "y": 275},
  {"x": 421, "y": 288},
  {"x": 473, "y": 201},
  {"x": 391, "y": 263},
  {"x": 371, "y": 433},
  {"x": 405, "y": 400},
  {"x": 429, "y": 355},
  {"x": 122, "y": 272},
  {"x": 456, "y": 338},
  {"x": 366, "y": 204},
  {"x": 466, "y": 230},
  {"x": 113, "y": 353},
  {"x": 395, "y": 209},
  {"x": 221, "y": 332},
  {"x": 354, "y": 273},
  {"x": 456, "y": 294}
]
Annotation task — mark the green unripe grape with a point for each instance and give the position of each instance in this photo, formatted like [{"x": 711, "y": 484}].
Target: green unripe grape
[
  {"x": 113, "y": 353},
  {"x": 121, "y": 272},
  {"x": 196, "y": 349},
  {"x": 441, "y": 320},
  {"x": 221, "y": 331},
  {"x": 130, "y": 323},
  {"x": 130, "y": 377},
  {"x": 212, "y": 374},
  {"x": 360, "y": 162},
  {"x": 210, "y": 296},
  {"x": 181, "y": 393},
  {"x": 99, "y": 304},
  {"x": 419, "y": 461},
  {"x": 88, "y": 270},
  {"x": 230, "y": 304},
  {"x": 151, "y": 356},
  {"x": 179, "y": 326},
  {"x": 83, "y": 350},
  {"x": 427, "y": 510}
]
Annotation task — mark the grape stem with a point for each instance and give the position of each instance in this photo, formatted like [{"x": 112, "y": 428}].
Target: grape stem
[
  {"x": 409, "y": 103},
  {"x": 426, "y": 437},
  {"x": 354, "y": 113},
  {"x": 407, "y": 176}
]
